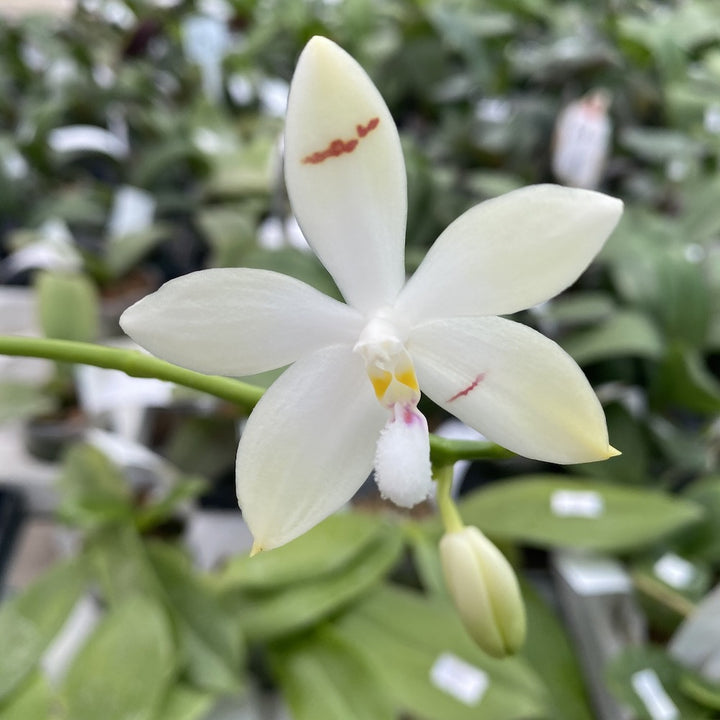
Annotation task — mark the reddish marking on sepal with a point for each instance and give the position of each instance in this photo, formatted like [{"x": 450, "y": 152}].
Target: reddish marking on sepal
[
  {"x": 334, "y": 149},
  {"x": 466, "y": 391},
  {"x": 339, "y": 146},
  {"x": 363, "y": 130}
]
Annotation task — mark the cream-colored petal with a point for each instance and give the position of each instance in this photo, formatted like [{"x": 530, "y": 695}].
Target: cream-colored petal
[
  {"x": 345, "y": 174},
  {"x": 308, "y": 445},
  {"x": 512, "y": 384},
  {"x": 510, "y": 253},
  {"x": 238, "y": 321}
]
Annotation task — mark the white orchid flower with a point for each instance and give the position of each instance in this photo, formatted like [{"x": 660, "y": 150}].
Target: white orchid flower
[{"x": 349, "y": 400}]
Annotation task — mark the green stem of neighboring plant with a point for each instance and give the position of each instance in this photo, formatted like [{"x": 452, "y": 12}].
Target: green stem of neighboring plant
[
  {"x": 244, "y": 395},
  {"x": 662, "y": 594},
  {"x": 449, "y": 513}
]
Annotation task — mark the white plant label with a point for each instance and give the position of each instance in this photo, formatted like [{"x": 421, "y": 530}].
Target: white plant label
[
  {"x": 591, "y": 575},
  {"x": 649, "y": 689},
  {"x": 133, "y": 211},
  {"x": 458, "y": 678},
  {"x": 582, "y": 141},
  {"x": 674, "y": 570},
  {"x": 577, "y": 503}
]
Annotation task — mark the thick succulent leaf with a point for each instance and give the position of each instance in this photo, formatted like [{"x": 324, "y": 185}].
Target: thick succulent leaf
[{"x": 557, "y": 511}]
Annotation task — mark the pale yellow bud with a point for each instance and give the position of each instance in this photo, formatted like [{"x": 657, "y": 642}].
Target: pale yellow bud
[{"x": 485, "y": 591}]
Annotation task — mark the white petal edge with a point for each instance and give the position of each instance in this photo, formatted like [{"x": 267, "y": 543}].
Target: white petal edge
[
  {"x": 512, "y": 384},
  {"x": 308, "y": 446},
  {"x": 351, "y": 207},
  {"x": 238, "y": 321},
  {"x": 510, "y": 253}
]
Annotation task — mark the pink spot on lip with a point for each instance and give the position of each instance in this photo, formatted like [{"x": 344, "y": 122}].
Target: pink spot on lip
[
  {"x": 466, "y": 391},
  {"x": 339, "y": 146}
]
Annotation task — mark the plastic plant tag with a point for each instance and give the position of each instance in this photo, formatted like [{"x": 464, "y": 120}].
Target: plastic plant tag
[
  {"x": 77, "y": 629},
  {"x": 591, "y": 575},
  {"x": 674, "y": 570},
  {"x": 214, "y": 536},
  {"x": 657, "y": 702},
  {"x": 87, "y": 138},
  {"x": 711, "y": 119},
  {"x": 458, "y": 678},
  {"x": 102, "y": 390},
  {"x": 493, "y": 110},
  {"x": 582, "y": 140},
  {"x": 132, "y": 211},
  {"x": 696, "y": 643},
  {"x": 577, "y": 503}
]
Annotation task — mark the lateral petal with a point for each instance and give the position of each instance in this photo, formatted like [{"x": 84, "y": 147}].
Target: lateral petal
[
  {"x": 345, "y": 174},
  {"x": 238, "y": 321},
  {"x": 512, "y": 384},
  {"x": 511, "y": 252},
  {"x": 308, "y": 445}
]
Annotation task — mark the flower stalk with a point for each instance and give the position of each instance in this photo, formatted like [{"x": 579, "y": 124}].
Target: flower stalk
[{"x": 244, "y": 395}]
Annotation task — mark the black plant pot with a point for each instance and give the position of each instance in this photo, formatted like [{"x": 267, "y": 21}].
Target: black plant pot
[{"x": 12, "y": 512}]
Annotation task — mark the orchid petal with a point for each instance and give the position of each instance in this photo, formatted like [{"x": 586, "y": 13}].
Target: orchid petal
[
  {"x": 238, "y": 321},
  {"x": 512, "y": 384},
  {"x": 308, "y": 445},
  {"x": 510, "y": 253},
  {"x": 345, "y": 174}
]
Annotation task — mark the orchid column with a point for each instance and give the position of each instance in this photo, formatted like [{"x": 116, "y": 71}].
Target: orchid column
[{"x": 348, "y": 401}]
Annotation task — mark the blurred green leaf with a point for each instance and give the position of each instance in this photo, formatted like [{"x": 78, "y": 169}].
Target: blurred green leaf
[
  {"x": 68, "y": 306},
  {"x": 119, "y": 563},
  {"x": 702, "y": 540},
  {"x": 272, "y": 614},
  {"x": 632, "y": 665},
  {"x": 631, "y": 437},
  {"x": 30, "y": 620},
  {"x": 548, "y": 651},
  {"x": 684, "y": 381},
  {"x": 185, "y": 703},
  {"x": 124, "y": 670},
  {"x": 158, "y": 511},
  {"x": 93, "y": 491},
  {"x": 323, "y": 677},
  {"x": 33, "y": 700},
  {"x": 325, "y": 549},
  {"x": 659, "y": 144},
  {"x": 19, "y": 401},
  {"x": 521, "y": 510},
  {"x": 210, "y": 642},
  {"x": 625, "y": 333},
  {"x": 580, "y": 308},
  {"x": 404, "y": 634},
  {"x": 123, "y": 253}
]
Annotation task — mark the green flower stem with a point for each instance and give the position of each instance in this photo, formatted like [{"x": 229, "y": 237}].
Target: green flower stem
[
  {"x": 448, "y": 510},
  {"x": 443, "y": 450},
  {"x": 244, "y": 395},
  {"x": 133, "y": 363}
]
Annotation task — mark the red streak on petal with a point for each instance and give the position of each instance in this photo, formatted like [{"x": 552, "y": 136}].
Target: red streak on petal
[
  {"x": 363, "y": 130},
  {"x": 339, "y": 146},
  {"x": 478, "y": 379}
]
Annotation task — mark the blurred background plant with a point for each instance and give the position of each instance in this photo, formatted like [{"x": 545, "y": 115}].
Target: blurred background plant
[{"x": 141, "y": 140}]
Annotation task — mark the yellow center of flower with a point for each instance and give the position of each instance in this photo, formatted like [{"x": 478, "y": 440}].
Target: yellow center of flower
[{"x": 388, "y": 364}]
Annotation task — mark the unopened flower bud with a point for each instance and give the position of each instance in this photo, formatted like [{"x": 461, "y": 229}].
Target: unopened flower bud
[{"x": 485, "y": 591}]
